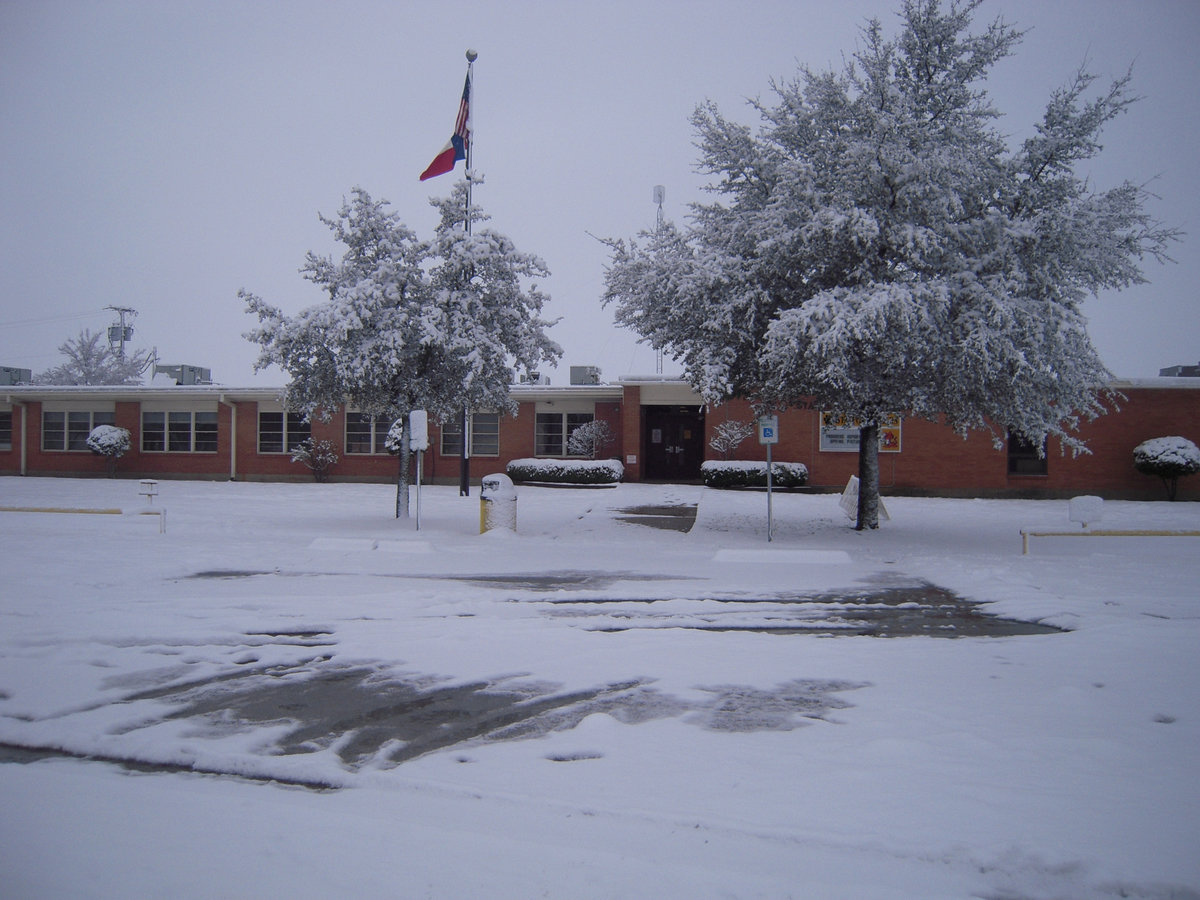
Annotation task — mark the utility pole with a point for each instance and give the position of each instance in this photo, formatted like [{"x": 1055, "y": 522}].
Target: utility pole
[{"x": 119, "y": 333}]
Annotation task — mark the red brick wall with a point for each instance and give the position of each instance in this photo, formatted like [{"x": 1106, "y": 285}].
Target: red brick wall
[
  {"x": 631, "y": 433},
  {"x": 1145, "y": 413},
  {"x": 933, "y": 460},
  {"x": 609, "y": 412}
]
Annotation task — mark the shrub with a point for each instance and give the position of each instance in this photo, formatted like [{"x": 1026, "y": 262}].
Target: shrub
[
  {"x": 566, "y": 471},
  {"x": 729, "y": 435},
  {"x": 591, "y": 439},
  {"x": 739, "y": 474},
  {"x": 1170, "y": 458},
  {"x": 110, "y": 442},
  {"x": 319, "y": 456}
]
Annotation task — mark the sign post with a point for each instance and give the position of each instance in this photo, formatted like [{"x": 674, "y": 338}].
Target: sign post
[
  {"x": 768, "y": 434},
  {"x": 418, "y": 430}
]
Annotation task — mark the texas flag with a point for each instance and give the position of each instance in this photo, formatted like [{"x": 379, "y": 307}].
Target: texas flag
[{"x": 456, "y": 148}]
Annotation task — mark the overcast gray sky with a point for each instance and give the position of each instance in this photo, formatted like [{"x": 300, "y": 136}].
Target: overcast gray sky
[{"x": 160, "y": 155}]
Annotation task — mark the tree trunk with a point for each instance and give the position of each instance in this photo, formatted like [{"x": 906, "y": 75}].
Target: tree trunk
[
  {"x": 402, "y": 476},
  {"x": 868, "y": 477}
]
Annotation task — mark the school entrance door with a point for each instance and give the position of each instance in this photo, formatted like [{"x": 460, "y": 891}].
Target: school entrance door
[{"x": 673, "y": 445}]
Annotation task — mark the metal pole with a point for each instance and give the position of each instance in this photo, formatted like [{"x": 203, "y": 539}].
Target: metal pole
[
  {"x": 770, "y": 512},
  {"x": 464, "y": 468},
  {"x": 420, "y": 454}
]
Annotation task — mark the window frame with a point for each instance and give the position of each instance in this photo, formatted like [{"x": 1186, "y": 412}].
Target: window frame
[
  {"x": 375, "y": 434},
  {"x": 76, "y": 424},
  {"x": 1023, "y": 460},
  {"x": 179, "y": 431},
  {"x": 546, "y": 438},
  {"x": 484, "y": 437},
  {"x": 5, "y": 429},
  {"x": 292, "y": 431}
]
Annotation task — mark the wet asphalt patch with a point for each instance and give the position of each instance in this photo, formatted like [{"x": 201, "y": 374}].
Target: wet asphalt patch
[
  {"x": 916, "y": 610},
  {"x": 672, "y": 517},
  {"x": 371, "y": 715},
  {"x": 368, "y": 715}
]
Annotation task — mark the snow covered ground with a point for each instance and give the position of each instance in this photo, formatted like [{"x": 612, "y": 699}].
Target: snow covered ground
[{"x": 488, "y": 724}]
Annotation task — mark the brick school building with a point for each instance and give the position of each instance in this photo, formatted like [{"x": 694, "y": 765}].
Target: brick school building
[{"x": 661, "y": 432}]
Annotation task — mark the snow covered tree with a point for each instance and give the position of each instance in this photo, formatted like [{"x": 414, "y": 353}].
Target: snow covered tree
[
  {"x": 408, "y": 324},
  {"x": 90, "y": 360},
  {"x": 1170, "y": 458},
  {"x": 591, "y": 439},
  {"x": 110, "y": 442},
  {"x": 877, "y": 248},
  {"x": 729, "y": 435}
]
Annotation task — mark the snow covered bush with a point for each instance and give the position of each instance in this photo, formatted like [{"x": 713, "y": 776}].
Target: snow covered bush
[
  {"x": 566, "y": 471},
  {"x": 739, "y": 473},
  {"x": 110, "y": 442},
  {"x": 729, "y": 435},
  {"x": 591, "y": 439},
  {"x": 319, "y": 456},
  {"x": 1169, "y": 458}
]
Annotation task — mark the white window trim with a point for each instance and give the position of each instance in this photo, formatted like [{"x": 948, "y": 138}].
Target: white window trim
[
  {"x": 167, "y": 431},
  {"x": 375, "y": 426},
  {"x": 89, "y": 407},
  {"x": 258, "y": 432}
]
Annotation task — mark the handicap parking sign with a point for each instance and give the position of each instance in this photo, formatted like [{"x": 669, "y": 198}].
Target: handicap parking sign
[{"x": 768, "y": 429}]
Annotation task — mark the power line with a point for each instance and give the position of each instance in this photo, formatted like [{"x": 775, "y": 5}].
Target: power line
[{"x": 46, "y": 319}]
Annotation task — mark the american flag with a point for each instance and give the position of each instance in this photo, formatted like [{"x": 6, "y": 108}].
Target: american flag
[{"x": 456, "y": 147}]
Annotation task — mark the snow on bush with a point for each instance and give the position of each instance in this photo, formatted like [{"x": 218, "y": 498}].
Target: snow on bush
[
  {"x": 319, "y": 456},
  {"x": 742, "y": 473},
  {"x": 729, "y": 435},
  {"x": 1169, "y": 458},
  {"x": 1176, "y": 454},
  {"x": 109, "y": 440},
  {"x": 566, "y": 471},
  {"x": 591, "y": 439}
]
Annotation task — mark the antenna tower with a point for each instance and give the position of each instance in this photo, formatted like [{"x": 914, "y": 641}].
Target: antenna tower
[{"x": 119, "y": 332}]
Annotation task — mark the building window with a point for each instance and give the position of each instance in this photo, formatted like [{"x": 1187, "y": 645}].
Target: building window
[
  {"x": 1025, "y": 457},
  {"x": 279, "y": 432},
  {"x": 179, "y": 432},
  {"x": 365, "y": 433},
  {"x": 552, "y": 431},
  {"x": 68, "y": 430},
  {"x": 5, "y": 429},
  {"x": 485, "y": 436}
]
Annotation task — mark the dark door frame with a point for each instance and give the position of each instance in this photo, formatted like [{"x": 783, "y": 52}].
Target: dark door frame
[{"x": 679, "y": 450}]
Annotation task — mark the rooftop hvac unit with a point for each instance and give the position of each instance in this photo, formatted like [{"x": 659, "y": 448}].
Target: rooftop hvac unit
[
  {"x": 585, "y": 374},
  {"x": 184, "y": 374},
  {"x": 9, "y": 375}
]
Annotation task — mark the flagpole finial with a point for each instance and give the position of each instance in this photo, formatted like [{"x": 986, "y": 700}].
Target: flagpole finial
[{"x": 472, "y": 56}]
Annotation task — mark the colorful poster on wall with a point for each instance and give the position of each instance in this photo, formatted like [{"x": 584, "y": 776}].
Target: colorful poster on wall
[{"x": 839, "y": 433}]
